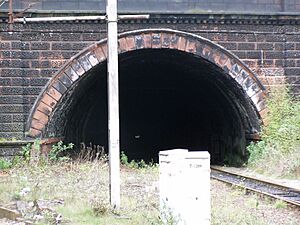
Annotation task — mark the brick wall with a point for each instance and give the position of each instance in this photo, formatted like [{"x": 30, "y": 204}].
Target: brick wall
[{"x": 30, "y": 56}]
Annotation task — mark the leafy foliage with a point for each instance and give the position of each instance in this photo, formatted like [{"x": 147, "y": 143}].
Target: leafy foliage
[
  {"x": 124, "y": 158},
  {"x": 283, "y": 128},
  {"x": 139, "y": 164},
  {"x": 5, "y": 164},
  {"x": 278, "y": 151},
  {"x": 256, "y": 151},
  {"x": 26, "y": 152},
  {"x": 57, "y": 150}
]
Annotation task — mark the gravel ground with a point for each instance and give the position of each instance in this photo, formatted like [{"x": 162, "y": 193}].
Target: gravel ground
[
  {"x": 247, "y": 172},
  {"x": 234, "y": 206},
  {"x": 82, "y": 182}
]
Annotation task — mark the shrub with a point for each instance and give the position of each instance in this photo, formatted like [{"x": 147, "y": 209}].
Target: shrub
[
  {"x": 256, "y": 151},
  {"x": 57, "y": 150},
  {"x": 133, "y": 164},
  {"x": 277, "y": 153}
]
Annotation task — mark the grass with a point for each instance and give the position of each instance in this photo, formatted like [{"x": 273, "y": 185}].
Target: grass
[
  {"x": 235, "y": 206},
  {"x": 279, "y": 204},
  {"x": 82, "y": 189}
]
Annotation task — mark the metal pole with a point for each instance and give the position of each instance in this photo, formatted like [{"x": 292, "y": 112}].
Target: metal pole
[
  {"x": 74, "y": 18},
  {"x": 113, "y": 103}
]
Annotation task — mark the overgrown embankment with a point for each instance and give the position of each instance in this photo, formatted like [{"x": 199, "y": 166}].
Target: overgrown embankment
[{"x": 278, "y": 152}]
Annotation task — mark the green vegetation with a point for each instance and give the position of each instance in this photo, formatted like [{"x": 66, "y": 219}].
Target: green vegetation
[
  {"x": 133, "y": 163},
  {"x": 233, "y": 206},
  {"x": 279, "y": 204},
  {"x": 57, "y": 150},
  {"x": 7, "y": 139},
  {"x": 5, "y": 164},
  {"x": 82, "y": 185},
  {"x": 26, "y": 152},
  {"x": 124, "y": 158},
  {"x": 31, "y": 152},
  {"x": 77, "y": 193},
  {"x": 278, "y": 151}
]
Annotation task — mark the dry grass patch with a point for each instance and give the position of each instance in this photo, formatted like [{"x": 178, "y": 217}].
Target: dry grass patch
[{"x": 77, "y": 193}]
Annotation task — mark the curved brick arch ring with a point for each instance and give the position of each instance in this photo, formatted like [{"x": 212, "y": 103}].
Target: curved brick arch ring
[{"x": 80, "y": 64}]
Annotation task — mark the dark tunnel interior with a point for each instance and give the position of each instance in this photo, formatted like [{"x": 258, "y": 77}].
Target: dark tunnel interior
[{"x": 168, "y": 99}]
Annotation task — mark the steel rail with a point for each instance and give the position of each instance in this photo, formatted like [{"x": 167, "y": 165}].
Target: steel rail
[{"x": 258, "y": 184}]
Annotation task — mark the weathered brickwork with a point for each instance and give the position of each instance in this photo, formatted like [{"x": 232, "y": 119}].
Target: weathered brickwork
[
  {"x": 158, "y": 38},
  {"x": 34, "y": 52}
]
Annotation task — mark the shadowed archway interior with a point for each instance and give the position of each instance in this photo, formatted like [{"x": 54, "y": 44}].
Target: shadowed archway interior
[{"x": 168, "y": 99}]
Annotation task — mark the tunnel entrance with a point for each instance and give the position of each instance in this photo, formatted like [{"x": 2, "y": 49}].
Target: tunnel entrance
[{"x": 169, "y": 99}]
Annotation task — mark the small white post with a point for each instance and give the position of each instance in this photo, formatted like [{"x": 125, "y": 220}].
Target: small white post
[
  {"x": 184, "y": 183},
  {"x": 113, "y": 103}
]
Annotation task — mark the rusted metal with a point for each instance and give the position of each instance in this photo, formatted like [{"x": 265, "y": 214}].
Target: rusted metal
[
  {"x": 254, "y": 137},
  {"x": 46, "y": 144},
  {"x": 9, "y": 214},
  {"x": 53, "y": 140}
]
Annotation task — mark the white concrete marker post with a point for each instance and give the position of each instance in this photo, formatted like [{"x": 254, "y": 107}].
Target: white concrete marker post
[
  {"x": 184, "y": 182},
  {"x": 113, "y": 103}
]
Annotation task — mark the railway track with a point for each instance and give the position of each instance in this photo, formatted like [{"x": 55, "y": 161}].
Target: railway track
[{"x": 277, "y": 191}]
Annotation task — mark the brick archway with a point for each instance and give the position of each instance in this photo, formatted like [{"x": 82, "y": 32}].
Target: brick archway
[{"x": 78, "y": 66}]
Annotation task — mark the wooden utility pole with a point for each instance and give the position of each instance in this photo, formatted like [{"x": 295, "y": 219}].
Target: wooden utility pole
[{"x": 113, "y": 103}]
